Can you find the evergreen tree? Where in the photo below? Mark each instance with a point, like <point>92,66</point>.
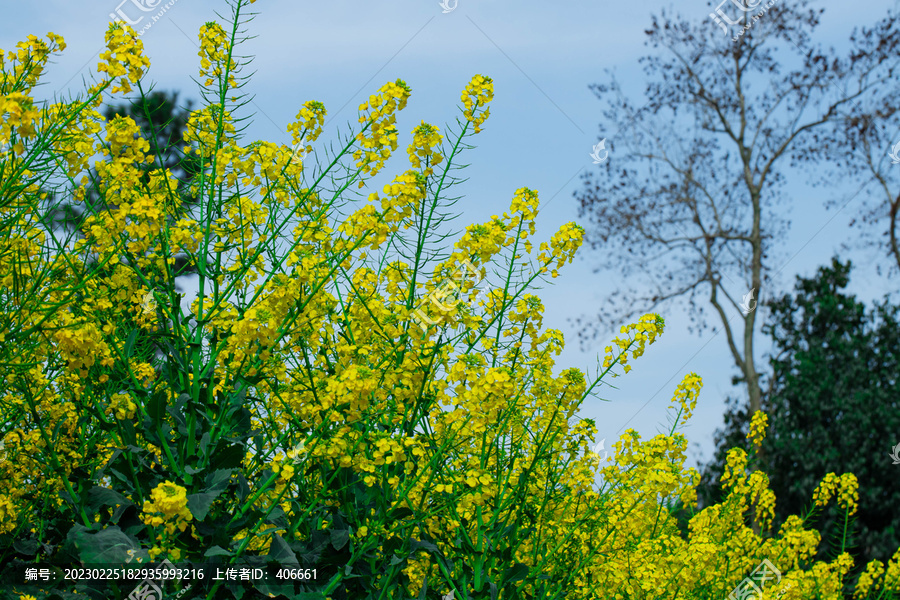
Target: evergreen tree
<point>833,405</point>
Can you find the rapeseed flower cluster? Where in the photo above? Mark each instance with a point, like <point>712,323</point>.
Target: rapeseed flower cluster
<point>758,428</point>
<point>169,503</point>
<point>845,488</point>
<point>19,112</point>
<point>167,509</point>
<point>381,125</point>
<point>122,406</point>
<point>648,329</point>
<point>215,55</point>
<point>20,72</point>
<point>26,65</point>
<point>307,128</point>
<point>686,396</point>
<point>124,57</point>
<point>203,128</point>
<point>423,150</point>
<point>476,96</point>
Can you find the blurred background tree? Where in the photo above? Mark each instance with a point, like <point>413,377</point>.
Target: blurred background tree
<point>833,405</point>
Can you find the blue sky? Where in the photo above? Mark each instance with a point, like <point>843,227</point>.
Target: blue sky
<point>544,121</point>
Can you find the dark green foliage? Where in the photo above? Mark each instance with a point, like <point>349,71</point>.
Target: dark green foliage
<point>833,407</point>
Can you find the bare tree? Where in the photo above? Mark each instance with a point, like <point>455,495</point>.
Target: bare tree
<point>866,142</point>
<point>693,191</point>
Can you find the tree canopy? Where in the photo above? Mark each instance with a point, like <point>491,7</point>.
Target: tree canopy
<point>833,408</point>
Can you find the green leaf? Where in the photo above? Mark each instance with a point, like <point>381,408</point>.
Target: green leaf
<point>203,447</point>
<point>514,573</point>
<point>97,547</point>
<point>339,538</point>
<point>26,546</point>
<point>178,411</point>
<point>401,512</point>
<point>243,487</point>
<point>237,398</point>
<point>217,551</point>
<point>241,421</point>
<point>278,518</point>
<point>280,552</point>
<point>416,545</point>
<point>200,503</point>
<point>129,343</point>
<point>129,435</point>
<point>218,480</point>
<point>228,456</point>
<point>156,406</point>
<point>101,496</point>
<point>119,475</point>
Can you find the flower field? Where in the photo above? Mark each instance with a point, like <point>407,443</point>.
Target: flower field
<point>352,401</point>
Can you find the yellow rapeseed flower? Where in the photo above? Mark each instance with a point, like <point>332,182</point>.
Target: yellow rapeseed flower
<point>757,432</point>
